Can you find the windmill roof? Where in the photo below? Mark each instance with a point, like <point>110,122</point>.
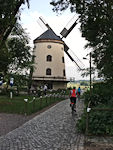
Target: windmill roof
<point>48,35</point>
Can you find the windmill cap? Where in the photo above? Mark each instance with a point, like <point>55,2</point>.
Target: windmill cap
<point>48,35</point>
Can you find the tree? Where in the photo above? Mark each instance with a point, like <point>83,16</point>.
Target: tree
<point>17,59</point>
<point>4,60</point>
<point>16,55</point>
<point>19,50</point>
<point>96,18</point>
<point>9,12</point>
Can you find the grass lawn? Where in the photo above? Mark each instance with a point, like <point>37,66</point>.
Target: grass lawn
<point>19,106</point>
<point>71,85</point>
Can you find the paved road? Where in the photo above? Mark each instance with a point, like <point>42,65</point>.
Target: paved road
<point>53,129</point>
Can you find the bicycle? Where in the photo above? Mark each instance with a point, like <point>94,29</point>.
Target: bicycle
<point>73,107</point>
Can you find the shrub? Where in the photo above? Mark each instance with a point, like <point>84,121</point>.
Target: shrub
<point>81,124</point>
<point>99,122</point>
<point>100,94</point>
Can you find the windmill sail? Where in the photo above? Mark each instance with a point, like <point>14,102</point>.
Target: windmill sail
<point>64,33</point>
<point>42,25</point>
<point>45,23</point>
<point>69,27</point>
<point>75,59</point>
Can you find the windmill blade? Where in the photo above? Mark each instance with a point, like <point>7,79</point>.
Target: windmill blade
<point>73,57</point>
<point>73,60</point>
<point>69,27</point>
<point>45,23</point>
<point>76,59</point>
<point>42,25</point>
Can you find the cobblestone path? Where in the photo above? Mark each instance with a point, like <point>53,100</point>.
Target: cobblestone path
<point>53,129</point>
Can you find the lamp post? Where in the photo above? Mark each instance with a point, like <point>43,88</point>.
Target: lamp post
<point>89,67</point>
<point>88,109</point>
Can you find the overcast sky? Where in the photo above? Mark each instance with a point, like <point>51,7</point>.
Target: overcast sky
<point>29,20</point>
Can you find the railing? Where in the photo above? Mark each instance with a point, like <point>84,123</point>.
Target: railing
<point>43,101</point>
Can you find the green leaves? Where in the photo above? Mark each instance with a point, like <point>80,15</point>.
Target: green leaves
<point>101,122</point>
<point>9,12</point>
<point>96,19</point>
<point>16,55</point>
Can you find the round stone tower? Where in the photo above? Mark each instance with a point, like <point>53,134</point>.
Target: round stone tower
<point>49,67</point>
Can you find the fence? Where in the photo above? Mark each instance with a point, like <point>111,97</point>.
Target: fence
<point>38,103</point>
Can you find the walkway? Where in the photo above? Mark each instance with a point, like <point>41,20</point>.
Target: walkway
<point>53,129</point>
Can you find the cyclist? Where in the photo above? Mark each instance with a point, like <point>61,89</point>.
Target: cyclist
<point>79,92</point>
<point>73,98</point>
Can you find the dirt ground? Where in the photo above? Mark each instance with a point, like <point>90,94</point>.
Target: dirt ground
<point>98,147</point>
<point>103,145</point>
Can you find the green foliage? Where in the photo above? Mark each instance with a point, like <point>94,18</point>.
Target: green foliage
<point>9,12</point>
<point>100,94</point>
<point>20,82</point>
<point>96,27</point>
<point>18,50</point>
<point>4,61</point>
<point>16,55</point>
<point>85,83</point>
<point>101,123</point>
<point>17,104</point>
<point>81,123</point>
<point>16,58</point>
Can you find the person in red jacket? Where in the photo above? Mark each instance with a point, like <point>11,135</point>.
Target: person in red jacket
<point>73,94</point>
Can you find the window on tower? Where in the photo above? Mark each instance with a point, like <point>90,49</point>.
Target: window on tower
<point>49,58</point>
<point>48,71</point>
<point>49,46</point>
<point>62,59</point>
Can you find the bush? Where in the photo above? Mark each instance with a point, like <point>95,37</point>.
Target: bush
<point>100,94</point>
<point>81,124</point>
<point>99,122</point>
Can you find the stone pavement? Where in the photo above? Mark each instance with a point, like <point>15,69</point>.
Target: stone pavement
<point>54,129</point>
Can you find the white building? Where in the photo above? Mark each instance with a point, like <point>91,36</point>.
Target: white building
<point>49,67</point>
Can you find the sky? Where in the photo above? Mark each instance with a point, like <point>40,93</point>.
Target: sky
<point>30,21</point>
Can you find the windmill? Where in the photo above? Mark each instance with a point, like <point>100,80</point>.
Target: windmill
<point>49,61</point>
<point>64,33</point>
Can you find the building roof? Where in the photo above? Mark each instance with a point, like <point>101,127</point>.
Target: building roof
<point>48,35</point>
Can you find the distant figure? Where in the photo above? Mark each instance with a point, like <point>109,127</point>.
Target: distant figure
<point>45,89</point>
<point>73,97</point>
<point>79,91</point>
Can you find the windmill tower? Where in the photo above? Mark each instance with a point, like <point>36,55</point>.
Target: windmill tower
<point>49,61</point>
<point>49,65</point>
